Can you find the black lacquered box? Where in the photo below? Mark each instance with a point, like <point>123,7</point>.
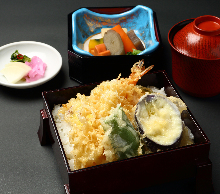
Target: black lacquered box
<point>130,174</point>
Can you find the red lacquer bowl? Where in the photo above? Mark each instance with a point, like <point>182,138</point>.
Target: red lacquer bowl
<point>195,47</point>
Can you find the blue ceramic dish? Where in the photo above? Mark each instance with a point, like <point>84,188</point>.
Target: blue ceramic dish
<point>86,23</point>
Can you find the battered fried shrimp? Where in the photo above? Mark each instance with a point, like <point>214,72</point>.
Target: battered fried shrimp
<point>137,71</point>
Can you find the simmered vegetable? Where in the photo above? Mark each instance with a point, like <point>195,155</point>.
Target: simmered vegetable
<point>128,44</point>
<point>113,42</point>
<point>118,41</point>
<point>136,41</point>
<point>100,50</point>
<point>93,43</point>
<point>104,30</point>
<point>134,52</point>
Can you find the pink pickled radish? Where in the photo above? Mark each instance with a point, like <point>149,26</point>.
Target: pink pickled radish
<point>37,71</point>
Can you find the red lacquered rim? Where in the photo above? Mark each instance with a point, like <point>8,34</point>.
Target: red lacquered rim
<point>174,30</point>
<point>210,22</point>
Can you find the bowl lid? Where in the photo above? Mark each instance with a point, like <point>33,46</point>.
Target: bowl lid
<point>200,38</point>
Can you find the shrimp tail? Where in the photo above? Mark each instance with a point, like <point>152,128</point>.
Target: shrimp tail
<point>146,70</point>
<point>137,71</point>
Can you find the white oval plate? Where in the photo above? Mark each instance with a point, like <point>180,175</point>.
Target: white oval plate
<point>47,53</point>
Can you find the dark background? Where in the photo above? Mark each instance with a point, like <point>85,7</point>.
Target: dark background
<point>25,166</point>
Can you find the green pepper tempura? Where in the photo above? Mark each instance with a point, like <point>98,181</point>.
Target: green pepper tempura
<point>124,138</point>
<point>17,57</point>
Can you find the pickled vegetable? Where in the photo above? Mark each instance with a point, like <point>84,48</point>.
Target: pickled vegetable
<point>18,57</point>
<point>15,71</point>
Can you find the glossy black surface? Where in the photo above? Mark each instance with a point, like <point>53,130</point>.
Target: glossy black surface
<point>122,172</point>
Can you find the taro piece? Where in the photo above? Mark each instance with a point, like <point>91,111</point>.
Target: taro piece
<point>113,42</point>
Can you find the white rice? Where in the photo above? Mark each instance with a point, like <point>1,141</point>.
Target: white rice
<point>64,129</point>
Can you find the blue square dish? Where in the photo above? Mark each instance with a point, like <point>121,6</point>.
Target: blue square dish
<point>86,22</point>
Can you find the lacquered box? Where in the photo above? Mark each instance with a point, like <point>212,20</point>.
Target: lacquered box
<point>84,68</point>
<point>130,174</point>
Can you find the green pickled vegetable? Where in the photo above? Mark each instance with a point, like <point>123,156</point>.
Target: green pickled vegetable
<point>124,138</point>
<point>17,57</point>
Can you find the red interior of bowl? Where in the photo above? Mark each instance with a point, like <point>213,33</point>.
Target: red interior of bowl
<point>207,25</point>
<point>200,38</point>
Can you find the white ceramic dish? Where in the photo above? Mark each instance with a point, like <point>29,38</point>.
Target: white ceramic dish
<point>47,53</point>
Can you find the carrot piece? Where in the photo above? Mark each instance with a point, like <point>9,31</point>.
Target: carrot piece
<point>128,44</point>
<point>100,47</point>
<point>100,50</point>
<point>105,53</point>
